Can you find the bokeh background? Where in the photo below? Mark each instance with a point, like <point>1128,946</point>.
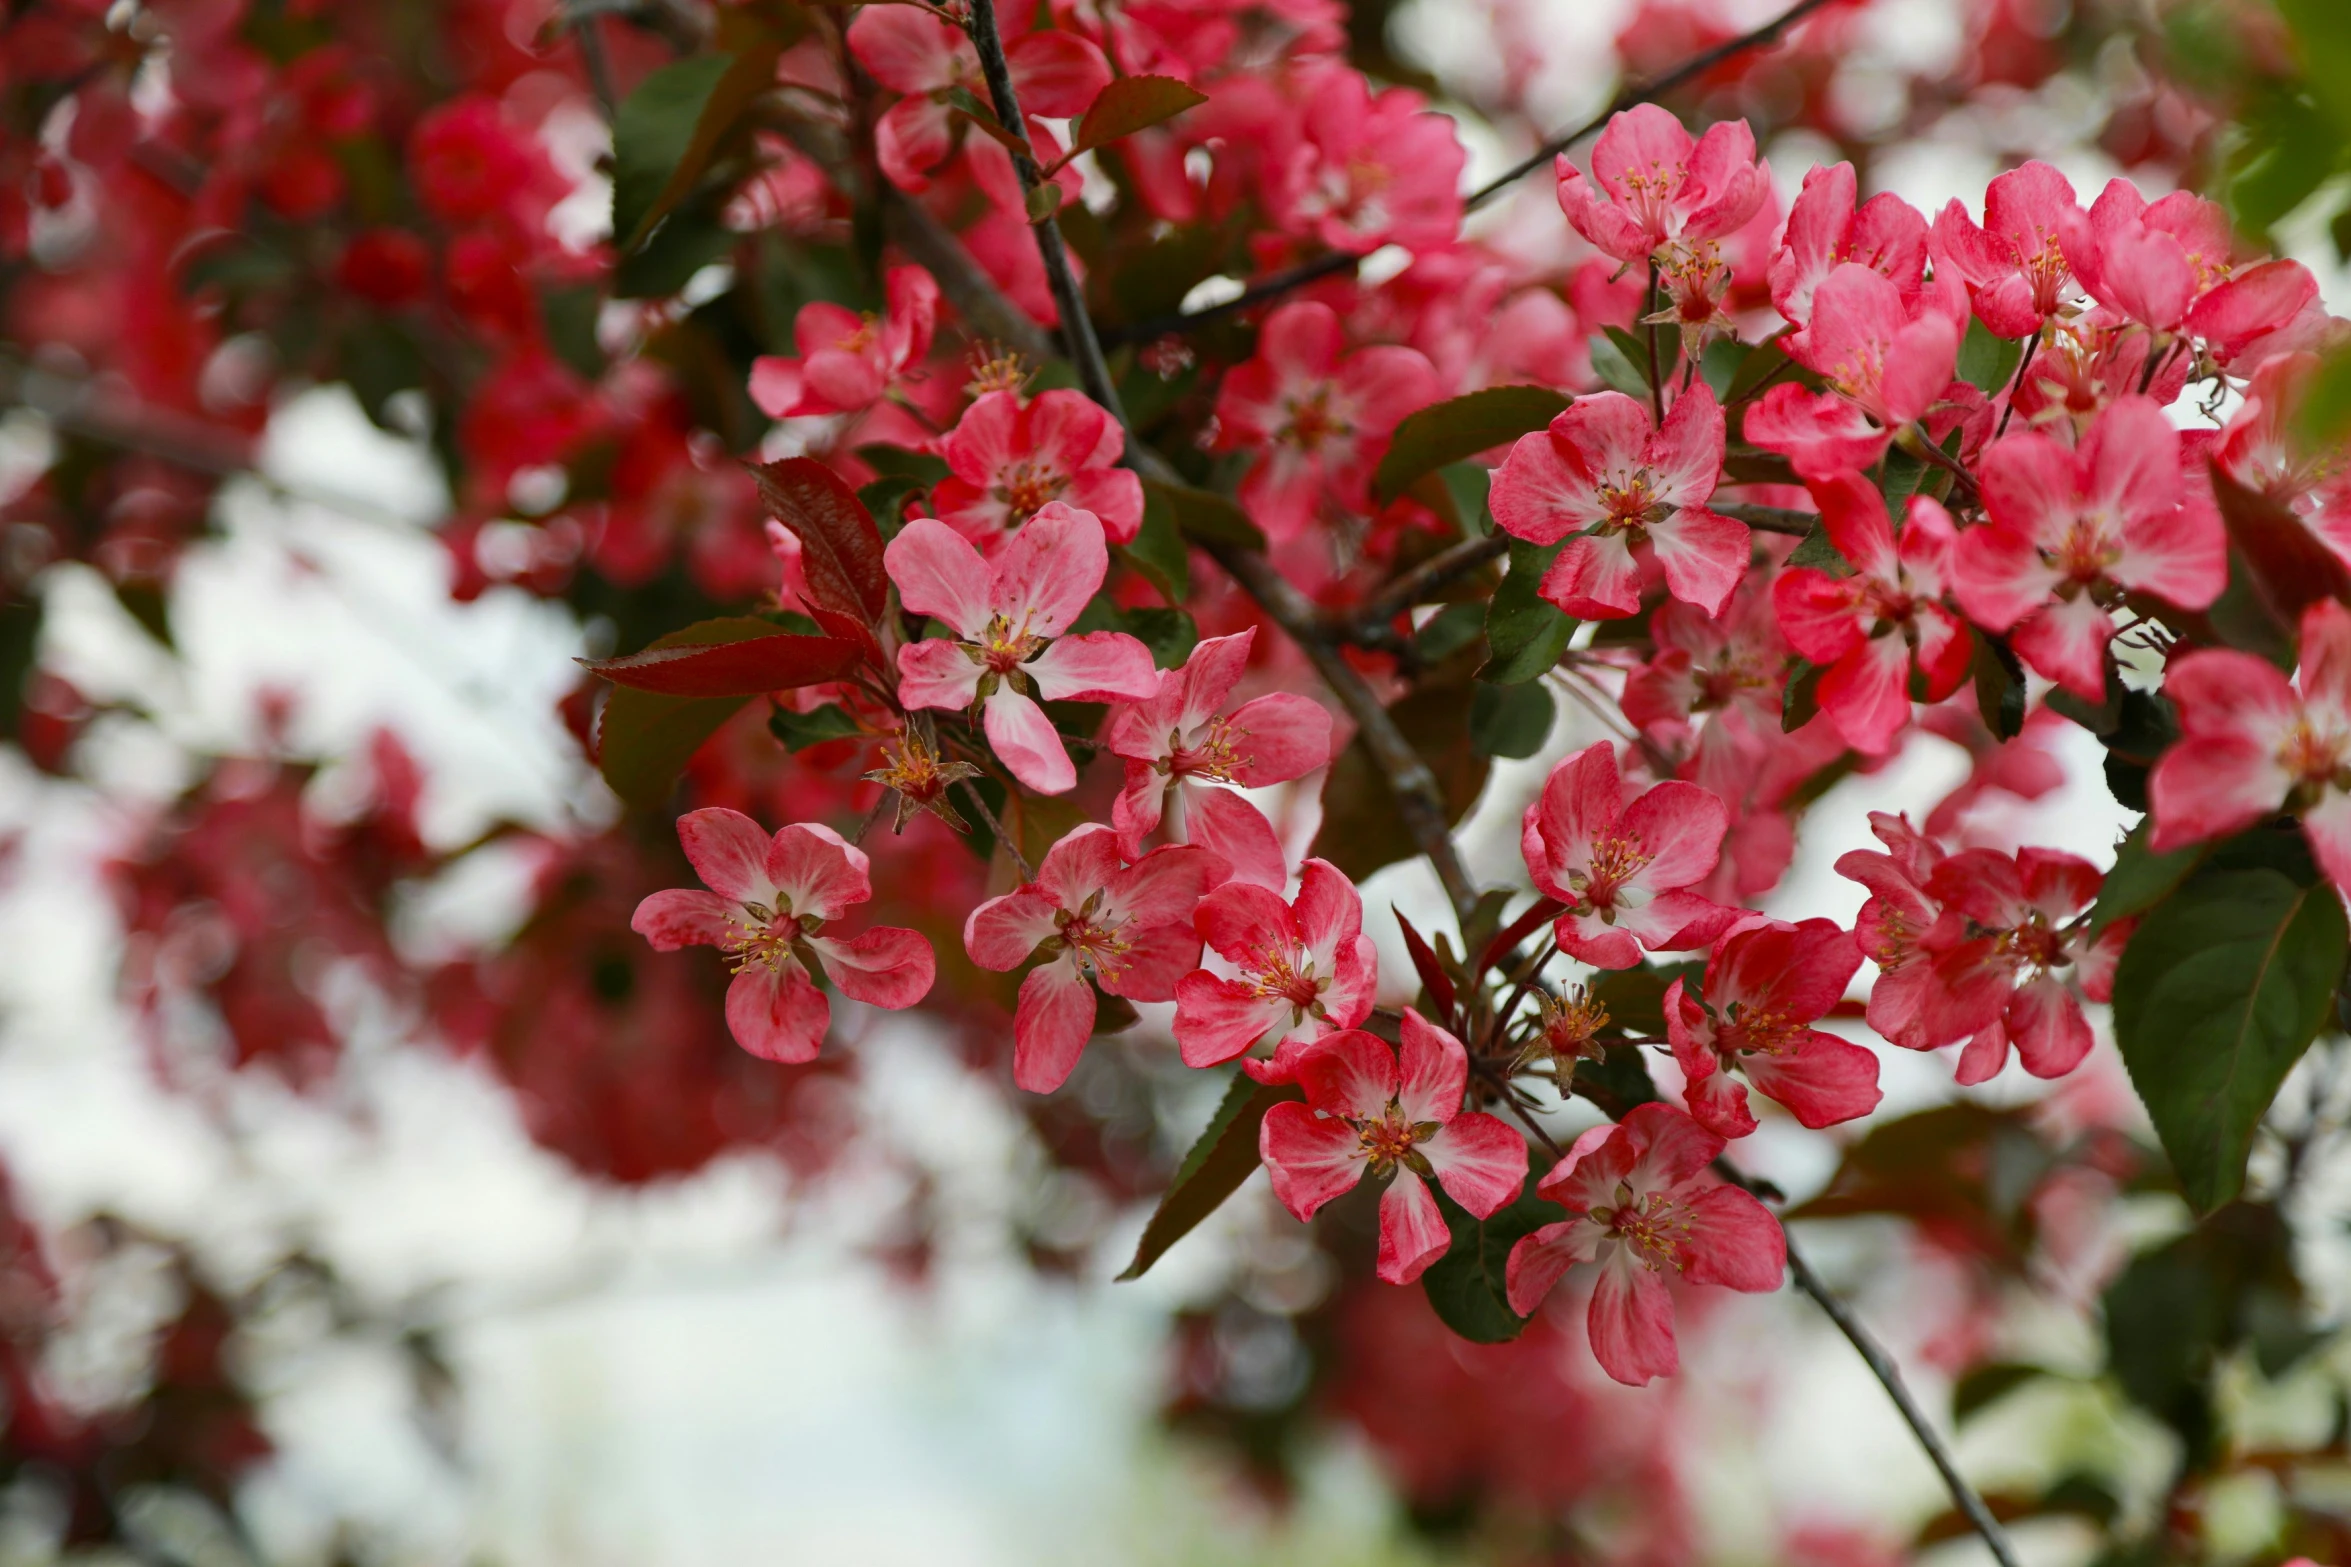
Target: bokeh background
<point>372,1196</point>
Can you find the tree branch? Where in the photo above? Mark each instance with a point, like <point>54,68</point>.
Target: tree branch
<point>1440,570</point>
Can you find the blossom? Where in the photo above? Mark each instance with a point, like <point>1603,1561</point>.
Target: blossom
<point>768,898</point>
<point>2014,265</point>
<point>928,59</point>
<point>1651,185</point>
<point>2167,266</point>
<point>1306,967</point>
<point>1886,363</point>
<point>1825,230</point>
<point>1622,868</point>
<point>1090,913</point>
<point>1872,627</point>
<point>2071,529</point>
<point>1008,616</point>
<point>1176,743</point>
<point>1732,662</point>
<point>1893,922</point>
<point>2004,934</point>
<point>1603,473</point>
<point>1370,1109</point>
<point>1367,169</point>
<point>1643,1201</point>
<point>2262,449</point>
<point>2251,744</point>
<point>848,361</point>
<point>1008,459</point>
<point>1319,419</point>
<point>1766,983</point>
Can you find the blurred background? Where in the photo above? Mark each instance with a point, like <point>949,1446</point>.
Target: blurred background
<point>373,1196</point>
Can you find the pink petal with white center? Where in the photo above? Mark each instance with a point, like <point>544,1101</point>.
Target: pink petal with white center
<point>1818,223</point>
<point>2254,303</point>
<point>1581,800</point>
<point>986,440</point>
<point>1853,514</point>
<point>2067,642</point>
<point>1157,959</point>
<point>1412,1232</point>
<point>1068,430</point>
<point>1587,1176</point>
<point>1680,827</point>
<point>1986,1054</point>
<point>2180,554</point>
<point>1238,833</point>
<point>1196,691</point>
<point>1589,939</point>
<point>1050,569</point>
<point>1056,74</point>
<point>1598,219</point>
<point>840,382</point>
<point>937,673</point>
<point>1051,1024</point>
<point>887,966</point>
<point>1685,455</point>
<point>1945,650</point>
<point>1594,578</point>
<point>1673,1149</point>
<point>1822,616</point>
<point>1247,923</point>
<point>1279,737</point>
<point>1730,186</point>
<point>2046,1025</point>
<point>729,853</point>
<point>1919,366</point>
<point>1434,1071</point>
<point>1002,932</point>
<point>1824,1080</point>
<point>2325,677</point>
<point>939,574</point>
<point>2130,460</point>
<point>2328,827</point>
<point>1310,1159</point>
<point>777,1014</point>
<point>1328,911</point>
<point>1733,1241</point>
<point>816,871</point>
<point>1480,1161</point>
<point>1136,813</point>
<point>1866,694</point>
<point>1099,666</point>
<point>1218,1019</point>
<point>910,51</point>
<point>1640,143</point>
<point>1999,577</point>
<point>1704,556</point>
<point>1821,433</point>
<point>684,917</point>
<point>1083,863</point>
<point>1352,1073</point>
<point>1165,886</point>
<point>1540,1260</point>
<point>1544,490</point>
<point>1631,1322</point>
<point>1717,1100</point>
<point>2032,486</point>
<point>1355,979</point>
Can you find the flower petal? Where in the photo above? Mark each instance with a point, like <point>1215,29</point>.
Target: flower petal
<point>729,853</point>
<point>887,966</point>
<point>1412,1231</point>
<point>1310,1159</point>
<point>1480,1161</point>
<point>777,1014</point>
<point>1051,1025</point>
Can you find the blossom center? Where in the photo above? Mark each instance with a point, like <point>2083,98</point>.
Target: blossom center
<point>1631,503</point>
<point>1750,1030</point>
<point>1571,1026</point>
<point>1003,648</point>
<point>2311,755</point>
<point>1656,1227</point>
<point>1388,1140</point>
<point>1615,861</point>
<point>1026,486</point>
<point>762,938</point>
<point>2086,551</point>
<point>1214,758</point>
<point>1098,941</point>
<point>1313,421</point>
<point>1649,196</point>
<point>1281,978</point>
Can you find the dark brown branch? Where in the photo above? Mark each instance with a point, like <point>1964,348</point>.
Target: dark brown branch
<point>1769,519</point>
<point>1413,587</point>
<point>1273,286</point>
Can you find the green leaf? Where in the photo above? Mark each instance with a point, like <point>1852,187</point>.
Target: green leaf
<point>1800,699</point>
<point>1448,432</point>
<point>1042,201</point>
<point>1219,1161</point>
<point>1619,1082</point>
<point>1206,516</point>
<point>2141,878</point>
<point>1617,372</point>
<point>1448,631</point>
<point>667,262</point>
<point>644,737</point>
<point>1817,551</point>
<point>1999,686</point>
<point>1159,551</point>
<point>1986,362</point>
<point>665,134</point>
<point>2221,989</point>
<point>799,731</point>
<point>1511,721</point>
<point>1633,349</point>
<point>1131,104</point>
<point>1525,632</point>
<point>1168,633</point>
<point>739,656</point>
<point>1467,1285</point>
<point>898,462</point>
<point>885,498</point>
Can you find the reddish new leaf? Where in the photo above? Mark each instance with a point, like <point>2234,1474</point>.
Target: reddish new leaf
<point>752,657</point>
<point>2291,568</point>
<point>1430,968</point>
<point>840,548</point>
<point>1131,104</point>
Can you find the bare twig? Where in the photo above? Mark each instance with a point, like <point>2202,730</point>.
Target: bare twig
<point>1440,570</point>
<point>979,803</point>
<point>1769,519</point>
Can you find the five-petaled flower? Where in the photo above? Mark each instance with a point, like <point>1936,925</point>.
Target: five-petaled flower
<point>768,898</point>
<point>1887,360</point>
<point>1008,616</point>
<point>1644,1202</point>
<point>1603,473</point>
<point>933,62</point>
<point>1090,913</point>
<point>848,361</point>
<point>2167,266</point>
<point>1178,747</point>
<point>1009,459</point>
<point>2014,264</point>
<point>1872,627</point>
<point>1306,967</point>
<point>1623,869</point>
<point>1366,1111</point>
<point>1826,230</point>
<point>1651,185</point>
<point>2251,744</point>
<point>1766,983</point>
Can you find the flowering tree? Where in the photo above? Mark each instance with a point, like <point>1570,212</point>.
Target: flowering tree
<point>988,557</point>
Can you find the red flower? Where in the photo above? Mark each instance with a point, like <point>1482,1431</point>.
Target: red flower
<point>2014,265</point>
<point>1368,169</point>
<point>2251,745</point>
<point>1644,1202</point>
<point>1306,967</point>
<point>1605,474</point>
<point>1366,1112</point>
<point>469,164</point>
<point>1893,923</point>
<point>1886,362</point>
<point>1011,458</point>
<point>2166,266</point>
<point>2262,449</point>
<point>1090,913</point>
<point>848,362</point>
<point>1826,231</point>
<point>1177,743</point>
<point>2067,523</point>
<point>1872,627</point>
<point>1320,419</point>
<point>768,898</point>
<point>2008,926</point>
<point>913,52</point>
<point>1008,616</point>
<point>1766,982</point>
<point>1622,868</point>
<point>1651,185</point>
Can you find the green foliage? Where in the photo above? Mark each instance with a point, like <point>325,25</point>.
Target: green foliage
<point>1221,1158</point>
<point>798,731</point>
<point>1511,721</point>
<point>1466,1286</point>
<point>1448,432</point>
<point>1525,633</point>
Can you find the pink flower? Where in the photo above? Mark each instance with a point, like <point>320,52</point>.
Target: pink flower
<point>2167,266</point>
<point>1009,459</point>
<point>848,362</point>
<point>768,898</point>
<point>1893,923</point>
<point>1368,169</point>
<point>1825,231</point>
<point>1090,913</point>
<point>1622,868</point>
<point>910,51</point>
<point>1176,742</point>
<point>1320,419</point>
<point>1604,473</point>
<point>1885,362</point>
<point>1731,663</point>
<point>1643,1201</point>
<point>2014,265</point>
<point>2251,745</point>
<point>2066,523</point>
<point>2262,450</point>
<point>1306,967</point>
<point>1872,627</point>
<point>1651,186</point>
<point>1765,984</point>
<point>1008,616</point>
<point>1365,1112</point>
<point>2006,930</point>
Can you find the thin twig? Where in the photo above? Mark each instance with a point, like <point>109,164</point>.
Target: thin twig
<point>591,42</point>
<point>1769,519</point>
<point>1440,570</point>
<point>1020,861</point>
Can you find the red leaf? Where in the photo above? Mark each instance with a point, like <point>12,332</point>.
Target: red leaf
<point>840,548</point>
<point>1430,967</point>
<point>762,659</point>
<point>1544,911</point>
